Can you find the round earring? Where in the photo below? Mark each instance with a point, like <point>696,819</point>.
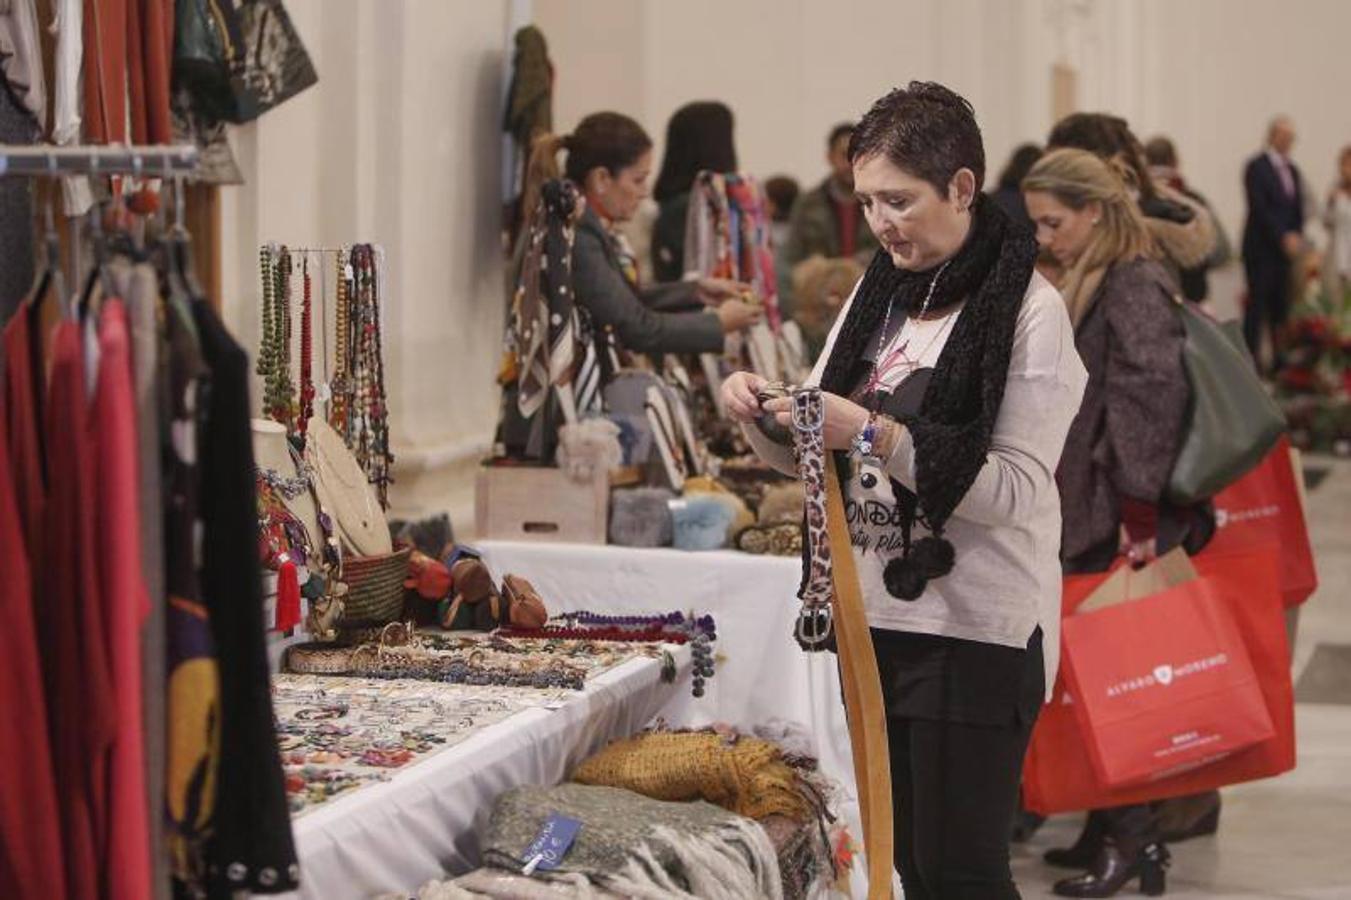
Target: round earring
<point>1095,221</point>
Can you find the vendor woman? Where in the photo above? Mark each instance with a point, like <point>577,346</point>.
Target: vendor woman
<point>609,157</point>
<point>958,359</point>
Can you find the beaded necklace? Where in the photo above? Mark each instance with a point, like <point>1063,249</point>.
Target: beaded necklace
<point>365,417</point>
<point>341,383</point>
<point>673,628</point>
<point>274,357</point>
<point>265,361</point>
<point>306,353</point>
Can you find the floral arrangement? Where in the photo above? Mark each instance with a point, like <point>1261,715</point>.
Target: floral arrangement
<point>1314,387</point>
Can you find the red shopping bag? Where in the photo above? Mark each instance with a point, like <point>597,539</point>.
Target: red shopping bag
<point>1264,507</point>
<point>1164,684</point>
<point>1058,774</point>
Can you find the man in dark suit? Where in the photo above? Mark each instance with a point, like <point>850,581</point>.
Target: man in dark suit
<point>1273,235</point>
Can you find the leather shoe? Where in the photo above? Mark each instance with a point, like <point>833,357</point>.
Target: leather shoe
<point>1115,869</point>
<point>1083,852</point>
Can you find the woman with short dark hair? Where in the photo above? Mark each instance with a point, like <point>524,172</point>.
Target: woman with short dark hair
<point>950,378</point>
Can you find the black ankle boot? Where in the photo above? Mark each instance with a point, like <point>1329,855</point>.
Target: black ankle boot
<point>1115,869</point>
<point>1184,818</point>
<point>1085,850</point>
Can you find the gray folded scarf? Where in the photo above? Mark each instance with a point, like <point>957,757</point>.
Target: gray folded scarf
<point>638,847</point>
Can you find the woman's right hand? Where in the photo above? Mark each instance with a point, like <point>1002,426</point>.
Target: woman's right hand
<point>737,315</point>
<point>739,398</point>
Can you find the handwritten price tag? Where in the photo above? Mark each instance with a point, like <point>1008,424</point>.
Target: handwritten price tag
<point>552,843</point>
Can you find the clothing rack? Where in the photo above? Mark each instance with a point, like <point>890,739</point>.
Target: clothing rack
<point>159,161</point>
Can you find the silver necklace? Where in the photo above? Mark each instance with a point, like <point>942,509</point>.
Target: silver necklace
<point>289,488</point>
<point>882,351</point>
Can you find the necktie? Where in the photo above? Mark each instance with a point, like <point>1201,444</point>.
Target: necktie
<point>1287,177</point>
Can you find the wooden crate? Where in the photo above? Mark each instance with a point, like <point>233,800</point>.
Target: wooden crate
<point>527,503</point>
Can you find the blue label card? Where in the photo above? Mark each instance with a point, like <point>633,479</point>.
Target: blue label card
<point>549,847</point>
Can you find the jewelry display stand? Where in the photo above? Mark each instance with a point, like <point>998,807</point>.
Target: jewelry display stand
<point>271,453</point>
<point>344,491</point>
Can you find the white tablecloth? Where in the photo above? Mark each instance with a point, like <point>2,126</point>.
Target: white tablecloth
<point>762,674</point>
<point>422,824</point>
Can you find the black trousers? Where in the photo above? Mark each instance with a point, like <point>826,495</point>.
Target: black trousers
<point>954,793</point>
<point>1268,299</point>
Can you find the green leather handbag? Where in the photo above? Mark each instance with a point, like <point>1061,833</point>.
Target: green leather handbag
<point>1232,422</point>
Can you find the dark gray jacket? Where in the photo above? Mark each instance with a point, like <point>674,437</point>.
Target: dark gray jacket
<point>1126,437</point>
<point>641,321</point>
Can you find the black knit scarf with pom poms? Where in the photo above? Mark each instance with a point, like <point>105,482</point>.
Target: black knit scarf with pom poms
<point>952,430</point>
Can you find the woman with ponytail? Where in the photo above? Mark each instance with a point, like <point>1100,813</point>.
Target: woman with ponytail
<point>949,381</point>
<point>609,158</point>
<point>1122,445</point>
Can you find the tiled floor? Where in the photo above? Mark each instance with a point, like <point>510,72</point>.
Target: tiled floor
<point>1287,837</point>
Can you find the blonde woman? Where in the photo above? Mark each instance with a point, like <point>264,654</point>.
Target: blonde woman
<point>1122,445</point>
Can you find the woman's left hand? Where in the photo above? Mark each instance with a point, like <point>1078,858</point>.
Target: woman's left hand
<point>713,291</point>
<point>1138,553</point>
<point>844,418</point>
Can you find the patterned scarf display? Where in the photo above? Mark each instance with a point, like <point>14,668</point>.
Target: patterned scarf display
<point>550,335</point>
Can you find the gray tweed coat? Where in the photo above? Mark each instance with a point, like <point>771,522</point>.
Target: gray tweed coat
<point>1126,437</point>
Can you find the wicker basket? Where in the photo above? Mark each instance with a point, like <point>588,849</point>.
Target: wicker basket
<point>318,659</point>
<point>374,588</point>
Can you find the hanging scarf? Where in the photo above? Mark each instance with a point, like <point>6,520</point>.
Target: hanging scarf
<point>953,428</point>
<point>755,259</point>
<point>545,325</point>
<point>708,243</point>
<point>530,99</point>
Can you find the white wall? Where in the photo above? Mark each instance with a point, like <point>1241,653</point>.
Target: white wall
<point>1210,73</point>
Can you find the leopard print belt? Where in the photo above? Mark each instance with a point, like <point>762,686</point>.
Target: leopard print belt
<point>814,630</point>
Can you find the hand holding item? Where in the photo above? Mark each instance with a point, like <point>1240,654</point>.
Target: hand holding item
<point>844,418</point>
<point>1139,553</point>
<point>737,315</point>
<point>716,291</point>
<point>739,395</point>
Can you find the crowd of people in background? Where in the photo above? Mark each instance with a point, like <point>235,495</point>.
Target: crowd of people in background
<point>818,232</point>
<point>822,241</point>
<point>1119,231</point>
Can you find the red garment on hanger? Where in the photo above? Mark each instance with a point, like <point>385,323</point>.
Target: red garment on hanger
<point>30,826</point>
<point>125,603</point>
<point>23,424</point>
<point>150,50</point>
<point>80,709</point>
<point>105,71</point>
<point>128,50</point>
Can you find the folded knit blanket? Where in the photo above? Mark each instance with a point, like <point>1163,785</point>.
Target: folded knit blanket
<point>638,847</point>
